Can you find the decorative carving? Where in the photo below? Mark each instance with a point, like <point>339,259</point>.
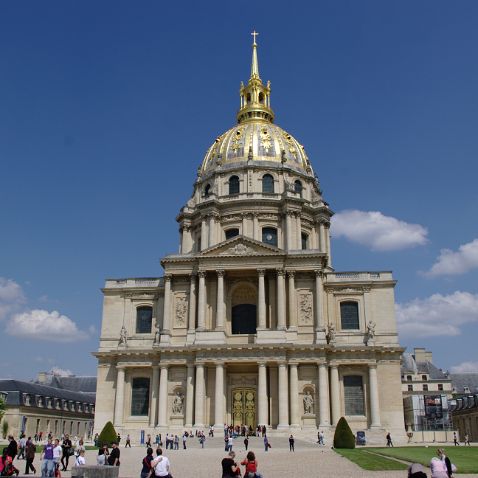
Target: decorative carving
<point>330,334</point>
<point>157,333</point>
<point>123,340</point>
<point>220,273</point>
<point>305,308</point>
<point>239,250</point>
<point>308,403</point>
<point>178,404</point>
<point>370,334</point>
<point>181,310</point>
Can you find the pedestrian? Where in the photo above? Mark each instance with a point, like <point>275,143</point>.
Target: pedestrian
<point>48,465</point>
<point>12,448</point>
<point>114,458</point>
<point>230,443</point>
<point>176,442</point>
<point>80,447</point>
<point>291,443</point>
<point>229,466</point>
<point>67,452</point>
<point>455,439</point>
<point>21,447</point>
<point>57,454</point>
<point>446,460</point>
<point>389,440</point>
<point>95,440</point>
<point>30,450</point>
<point>102,457</point>
<point>161,465</point>
<point>128,441</point>
<point>80,459</point>
<point>438,466</point>
<point>146,470</point>
<point>118,439</point>
<point>157,440</point>
<point>266,443</point>
<point>148,441</point>
<point>202,439</point>
<point>251,466</point>
<point>321,437</point>
<point>467,439</point>
<point>416,470</point>
<point>246,442</point>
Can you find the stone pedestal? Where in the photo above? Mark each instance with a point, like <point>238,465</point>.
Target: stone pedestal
<point>268,336</point>
<point>176,420</point>
<point>309,421</point>
<point>97,471</point>
<point>210,337</point>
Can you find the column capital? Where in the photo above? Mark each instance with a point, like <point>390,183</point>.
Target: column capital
<point>201,274</point>
<point>261,364</point>
<point>220,272</point>
<point>121,366</point>
<point>372,365</point>
<point>261,272</point>
<point>163,366</point>
<point>280,272</point>
<point>282,364</point>
<point>193,275</point>
<point>155,366</point>
<point>168,277</point>
<point>291,273</point>
<point>319,273</point>
<point>200,363</point>
<point>219,364</point>
<point>333,365</point>
<point>294,363</point>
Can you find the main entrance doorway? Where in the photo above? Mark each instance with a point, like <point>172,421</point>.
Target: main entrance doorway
<point>244,407</point>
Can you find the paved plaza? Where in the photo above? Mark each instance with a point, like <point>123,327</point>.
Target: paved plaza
<point>308,460</point>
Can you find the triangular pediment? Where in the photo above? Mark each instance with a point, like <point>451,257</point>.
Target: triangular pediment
<point>241,246</point>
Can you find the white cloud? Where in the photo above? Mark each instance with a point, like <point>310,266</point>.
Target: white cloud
<point>437,315</point>
<point>379,232</point>
<point>44,325</point>
<point>60,372</point>
<point>465,367</point>
<point>455,263</point>
<point>11,296</point>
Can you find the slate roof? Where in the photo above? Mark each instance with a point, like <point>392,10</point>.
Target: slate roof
<point>410,365</point>
<point>461,380</point>
<point>75,384</point>
<point>16,389</point>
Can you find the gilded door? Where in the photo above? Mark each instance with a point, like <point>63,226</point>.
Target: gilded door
<point>244,407</point>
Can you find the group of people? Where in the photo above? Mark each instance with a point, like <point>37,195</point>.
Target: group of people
<point>440,467</point>
<point>230,468</point>
<point>53,454</point>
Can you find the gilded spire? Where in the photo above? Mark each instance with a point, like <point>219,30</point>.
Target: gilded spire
<point>255,96</point>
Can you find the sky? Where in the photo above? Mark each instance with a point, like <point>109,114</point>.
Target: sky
<point>107,109</point>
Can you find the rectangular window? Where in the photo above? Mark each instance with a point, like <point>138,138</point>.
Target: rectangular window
<point>144,318</point>
<point>410,388</point>
<point>440,387</point>
<point>140,396</point>
<point>354,395</point>
<point>425,388</point>
<point>349,317</point>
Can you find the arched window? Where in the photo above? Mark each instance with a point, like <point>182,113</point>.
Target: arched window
<point>267,183</point>
<point>144,318</point>
<point>140,396</point>
<point>230,233</point>
<point>248,98</point>
<point>207,190</point>
<point>269,236</point>
<point>261,97</point>
<point>349,316</point>
<point>304,239</point>
<point>233,185</point>
<point>298,187</point>
<point>354,395</point>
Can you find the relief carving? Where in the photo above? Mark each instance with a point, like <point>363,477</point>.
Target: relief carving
<point>181,310</point>
<point>238,250</point>
<point>305,308</point>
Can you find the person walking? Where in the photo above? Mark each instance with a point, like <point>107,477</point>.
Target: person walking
<point>161,465</point>
<point>48,465</point>
<point>176,442</point>
<point>57,454</point>
<point>12,448</point>
<point>146,470</point>
<point>185,439</point>
<point>229,466</point>
<point>266,443</point>
<point>230,443</point>
<point>114,458</point>
<point>21,447</point>
<point>30,450</point>
<point>246,442</point>
<point>251,466</point>
<point>455,439</point>
<point>66,445</point>
<point>128,441</point>
<point>291,443</point>
<point>321,436</point>
<point>389,440</point>
<point>467,439</point>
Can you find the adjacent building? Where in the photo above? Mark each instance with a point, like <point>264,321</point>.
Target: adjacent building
<point>250,323</point>
<point>464,407</point>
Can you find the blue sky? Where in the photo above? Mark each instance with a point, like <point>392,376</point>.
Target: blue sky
<point>107,109</point>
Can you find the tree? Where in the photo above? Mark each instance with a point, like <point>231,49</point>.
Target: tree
<point>343,436</point>
<point>108,435</point>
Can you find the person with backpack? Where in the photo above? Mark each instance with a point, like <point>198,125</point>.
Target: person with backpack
<point>146,470</point>
<point>30,450</point>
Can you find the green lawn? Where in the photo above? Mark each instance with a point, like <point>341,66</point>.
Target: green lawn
<point>369,461</point>
<point>465,459</point>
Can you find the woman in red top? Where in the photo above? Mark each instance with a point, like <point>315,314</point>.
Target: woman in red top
<point>251,466</point>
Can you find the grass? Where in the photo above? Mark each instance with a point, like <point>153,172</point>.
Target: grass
<point>369,461</point>
<point>465,459</point>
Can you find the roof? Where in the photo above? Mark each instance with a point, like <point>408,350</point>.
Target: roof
<point>75,384</point>
<point>16,388</point>
<point>461,380</point>
<point>410,365</point>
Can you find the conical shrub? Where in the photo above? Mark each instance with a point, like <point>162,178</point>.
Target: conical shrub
<point>108,435</point>
<point>343,436</point>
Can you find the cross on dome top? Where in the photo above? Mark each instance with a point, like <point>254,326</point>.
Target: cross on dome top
<point>254,34</point>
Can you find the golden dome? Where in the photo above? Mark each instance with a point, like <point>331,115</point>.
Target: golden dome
<point>256,143</point>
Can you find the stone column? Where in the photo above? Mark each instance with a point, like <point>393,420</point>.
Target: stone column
<point>204,234</point>
<point>283,397</point>
<point>220,301</point>
<point>256,226</point>
<point>167,305</point>
<point>119,399</point>
<point>298,232</point>
<point>324,405</point>
<point>327,239</point>
<point>163,396</point>
<point>202,301</point>
<point>294,395</point>
<point>262,395</point>
<point>154,396</point>
<point>292,301</point>
<point>319,308</point>
<point>261,306</point>
<point>192,304</point>
<point>374,400</point>
<point>281,323</point>
<point>200,391</point>
<point>186,239</point>
<point>244,224</point>
<point>212,229</point>
<point>288,227</point>
<point>335,393</point>
<point>322,246</point>
<point>219,397</point>
<point>189,396</point>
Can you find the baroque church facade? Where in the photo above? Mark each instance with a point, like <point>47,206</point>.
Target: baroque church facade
<point>250,323</point>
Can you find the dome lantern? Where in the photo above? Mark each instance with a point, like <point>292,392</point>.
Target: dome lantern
<point>255,96</point>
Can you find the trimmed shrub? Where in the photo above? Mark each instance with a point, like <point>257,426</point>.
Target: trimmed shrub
<point>343,436</point>
<point>108,435</point>
<point>5,427</point>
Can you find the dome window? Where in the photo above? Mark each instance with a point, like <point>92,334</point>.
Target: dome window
<point>267,183</point>
<point>233,185</point>
<point>304,240</point>
<point>230,233</point>
<point>269,236</point>
<point>207,191</point>
<point>261,97</point>
<point>298,188</point>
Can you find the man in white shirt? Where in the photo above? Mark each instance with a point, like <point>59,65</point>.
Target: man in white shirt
<point>57,453</point>
<point>160,464</point>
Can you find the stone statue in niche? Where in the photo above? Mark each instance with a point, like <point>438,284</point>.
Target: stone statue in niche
<point>178,404</point>
<point>331,334</point>
<point>308,403</point>
<point>123,336</point>
<point>370,335</point>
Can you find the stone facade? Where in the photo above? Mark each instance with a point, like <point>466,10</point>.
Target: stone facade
<point>250,324</point>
